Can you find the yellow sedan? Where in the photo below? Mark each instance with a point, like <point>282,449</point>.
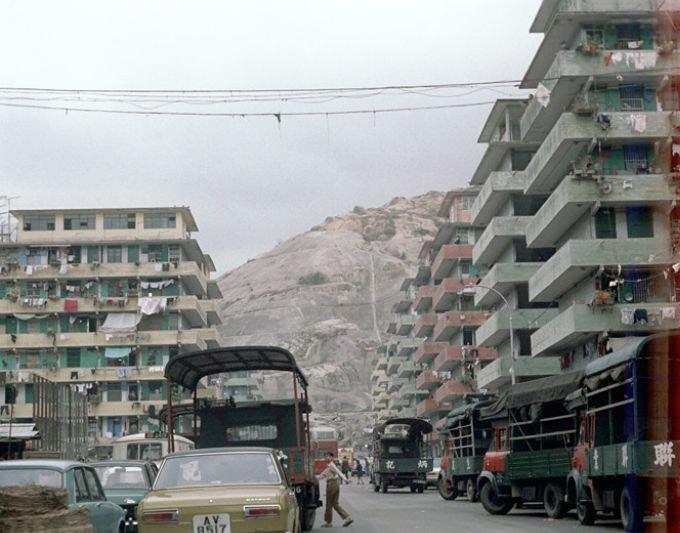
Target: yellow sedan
<point>220,490</point>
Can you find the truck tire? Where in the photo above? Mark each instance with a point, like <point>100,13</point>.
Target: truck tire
<point>492,503</point>
<point>585,510</point>
<point>446,491</point>
<point>376,485</point>
<point>553,501</point>
<point>471,490</point>
<point>383,486</point>
<point>413,488</point>
<point>308,516</point>
<point>420,489</point>
<point>631,511</point>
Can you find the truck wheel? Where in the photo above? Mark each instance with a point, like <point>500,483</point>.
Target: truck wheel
<point>446,491</point>
<point>383,486</point>
<point>492,502</point>
<point>471,490</point>
<point>420,488</point>
<point>413,488</point>
<point>585,510</point>
<point>308,516</point>
<point>553,501</point>
<point>376,485</point>
<point>631,511</point>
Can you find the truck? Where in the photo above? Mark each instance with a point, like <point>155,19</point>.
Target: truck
<point>282,424</point>
<point>530,454</point>
<point>401,458</point>
<point>467,440</point>
<point>626,460</point>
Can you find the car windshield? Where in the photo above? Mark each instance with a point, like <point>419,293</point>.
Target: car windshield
<point>121,477</point>
<point>30,476</point>
<point>218,469</point>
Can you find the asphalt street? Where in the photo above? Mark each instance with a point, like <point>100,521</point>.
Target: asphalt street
<point>399,511</point>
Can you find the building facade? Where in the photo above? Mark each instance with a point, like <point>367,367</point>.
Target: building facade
<point>101,299</point>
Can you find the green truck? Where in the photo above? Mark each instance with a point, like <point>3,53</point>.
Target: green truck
<point>529,457</point>
<point>626,461</point>
<point>467,439</point>
<point>401,458</point>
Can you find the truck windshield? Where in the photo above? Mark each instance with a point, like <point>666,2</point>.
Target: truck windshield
<point>30,476</point>
<point>218,469</point>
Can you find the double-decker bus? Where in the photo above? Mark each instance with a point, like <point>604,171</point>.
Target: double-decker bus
<point>324,439</point>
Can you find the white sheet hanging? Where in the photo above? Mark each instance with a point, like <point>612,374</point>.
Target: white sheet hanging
<point>152,305</point>
<point>120,323</point>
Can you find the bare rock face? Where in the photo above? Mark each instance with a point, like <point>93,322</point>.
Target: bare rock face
<point>326,295</point>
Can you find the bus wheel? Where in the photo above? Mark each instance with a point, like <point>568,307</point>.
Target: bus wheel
<point>471,490</point>
<point>383,486</point>
<point>446,491</point>
<point>631,511</point>
<point>585,510</point>
<point>492,502</point>
<point>553,501</point>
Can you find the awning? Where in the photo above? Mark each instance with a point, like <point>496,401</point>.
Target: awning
<point>464,411</point>
<point>188,369</point>
<point>120,323</point>
<point>116,352</point>
<point>19,432</point>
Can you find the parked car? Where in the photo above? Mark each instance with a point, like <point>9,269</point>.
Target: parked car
<point>220,489</point>
<point>433,475</point>
<point>126,483</point>
<point>80,481</point>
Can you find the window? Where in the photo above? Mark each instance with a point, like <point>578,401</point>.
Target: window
<point>632,98</point>
<point>605,224</point>
<point>82,494</point>
<point>79,222</point>
<point>465,267</point>
<point>155,253</point>
<point>114,392</point>
<point>93,255</point>
<point>594,36</point>
<point>461,236</point>
<point>114,254</point>
<point>73,358</point>
<point>119,221</point>
<point>174,253</point>
<point>466,202</point>
<point>159,220</point>
<point>640,222</point>
<point>133,254</point>
<point>38,222</point>
<point>635,157</point>
<point>96,492</point>
<point>469,336</point>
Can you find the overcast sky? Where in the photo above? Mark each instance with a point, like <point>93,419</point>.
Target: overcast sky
<point>251,181</point>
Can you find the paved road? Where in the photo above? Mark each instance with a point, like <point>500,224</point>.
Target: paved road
<point>399,511</point>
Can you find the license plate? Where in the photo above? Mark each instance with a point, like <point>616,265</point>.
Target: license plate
<point>212,523</point>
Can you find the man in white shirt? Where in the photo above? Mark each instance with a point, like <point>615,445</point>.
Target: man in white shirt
<point>332,474</point>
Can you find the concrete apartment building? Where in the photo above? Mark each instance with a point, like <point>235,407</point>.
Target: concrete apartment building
<point>101,299</point>
<point>576,193</point>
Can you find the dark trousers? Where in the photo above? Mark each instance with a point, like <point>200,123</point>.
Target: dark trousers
<point>333,501</point>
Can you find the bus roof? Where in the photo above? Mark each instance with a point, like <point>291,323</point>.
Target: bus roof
<point>188,369</point>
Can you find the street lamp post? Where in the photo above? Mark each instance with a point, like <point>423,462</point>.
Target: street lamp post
<point>473,290</point>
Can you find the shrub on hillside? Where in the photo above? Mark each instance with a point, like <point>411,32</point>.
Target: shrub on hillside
<point>315,278</point>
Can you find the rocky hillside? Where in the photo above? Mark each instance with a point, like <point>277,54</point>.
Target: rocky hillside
<point>326,295</point>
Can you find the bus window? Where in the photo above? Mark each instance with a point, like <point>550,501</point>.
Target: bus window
<point>133,451</point>
<point>150,451</point>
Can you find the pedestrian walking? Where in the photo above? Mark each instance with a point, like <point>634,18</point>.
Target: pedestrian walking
<point>359,472</point>
<point>333,475</point>
<point>345,467</point>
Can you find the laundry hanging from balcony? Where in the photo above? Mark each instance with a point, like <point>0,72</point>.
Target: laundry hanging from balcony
<point>120,323</point>
<point>111,352</point>
<point>152,305</point>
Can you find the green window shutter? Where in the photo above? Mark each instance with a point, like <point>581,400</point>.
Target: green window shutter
<point>23,326</point>
<point>647,36</point>
<point>640,222</point>
<point>613,100</point>
<point>164,253</point>
<point>171,290</point>
<point>3,290</point>
<point>73,358</point>
<point>76,252</point>
<point>605,224</point>
<point>133,254</point>
<point>614,162</point>
<point>64,325</point>
<point>82,326</point>
<point>43,325</point>
<point>649,99</point>
<point>93,254</point>
<point>28,388</point>
<point>104,289</point>
<point>10,324</point>
<point>145,390</point>
<point>22,358</point>
<point>610,38</point>
<point>89,359</point>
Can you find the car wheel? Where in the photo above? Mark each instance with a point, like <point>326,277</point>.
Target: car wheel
<point>471,490</point>
<point>492,502</point>
<point>631,511</point>
<point>308,517</point>
<point>446,491</point>
<point>553,501</point>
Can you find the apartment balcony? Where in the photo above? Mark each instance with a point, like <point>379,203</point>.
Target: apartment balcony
<point>580,322</point>
<point>429,407</point>
<point>382,363</point>
<point>407,346</point>
<point>403,304</point>
<point>400,403</point>
<point>209,307</point>
<point>86,375</point>
<point>574,197</point>
<point>428,351</point>
<point>451,390</point>
<point>404,324</point>
<point>382,380</point>
<point>393,365</point>
<point>499,233</point>
<point>425,325</point>
<point>423,274</point>
<point>408,390</point>
<point>423,300</point>
<point>502,277</point>
<point>579,259</point>
<point>449,323</point>
<point>381,402</point>
<point>496,330</point>
<point>188,340</point>
<point>393,343</point>
<point>572,135</point>
<point>193,277</point>
<point>498,373</point>
<point>395,384</point>
<point>448,292</point>
<point>447,257</point>
<point>392,326</point>
<point>428,381</point>
<point>570,71</point>
<point>452,356</point>
<point>495,192</point>
<point>406,369</point>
